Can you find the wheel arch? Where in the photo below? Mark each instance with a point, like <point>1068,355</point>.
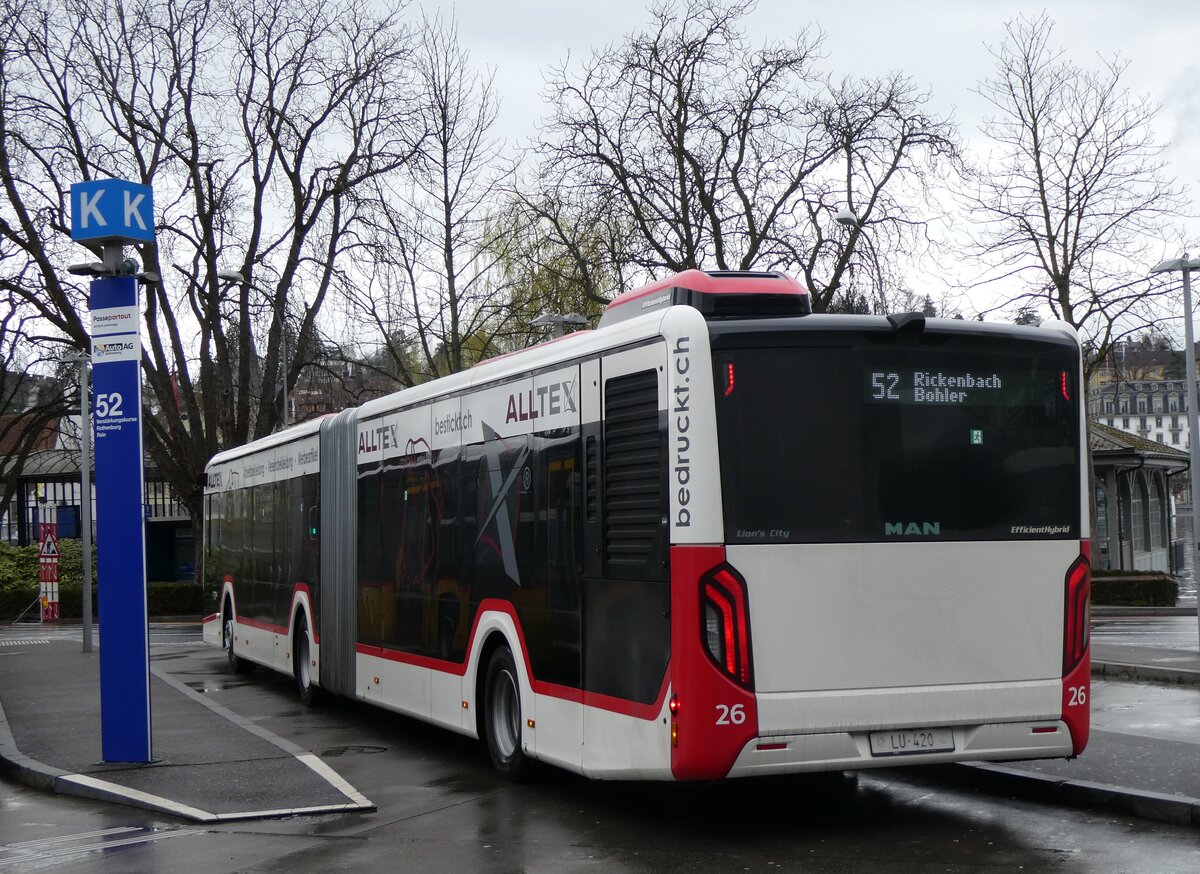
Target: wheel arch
<point>302,607</point>
<point>228,600</point>
<point>228,611</point>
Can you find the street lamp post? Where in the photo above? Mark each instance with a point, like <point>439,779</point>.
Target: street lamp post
<point>559,321</point>
<point>1184,266</point>
<point>85,493</point>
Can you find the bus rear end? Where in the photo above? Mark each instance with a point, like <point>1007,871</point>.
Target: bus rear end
<point>904,576</point>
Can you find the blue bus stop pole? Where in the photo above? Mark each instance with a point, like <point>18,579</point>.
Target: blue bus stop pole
<point>120,524</point>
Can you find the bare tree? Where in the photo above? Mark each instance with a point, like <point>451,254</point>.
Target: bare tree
<point>703,143</point>
<point>1074,194</point>
<point>262,126</point>
<point>719,155</point>
<point>892,156</point>
<point>565,251</point>
<point>554,258</point>
<point>433,294</point>
<point>32,397</point>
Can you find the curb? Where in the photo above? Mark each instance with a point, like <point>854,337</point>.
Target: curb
<point>1174,809</point>
<point>1145,673</point>
<point>1119,611</point>
<point>18,766</point>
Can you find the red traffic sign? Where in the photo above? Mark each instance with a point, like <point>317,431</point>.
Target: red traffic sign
<point>49,548</point>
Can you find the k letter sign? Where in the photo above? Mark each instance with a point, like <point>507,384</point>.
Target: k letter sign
<point>112,209</point>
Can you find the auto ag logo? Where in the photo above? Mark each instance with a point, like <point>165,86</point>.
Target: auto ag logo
<point>116,349</point>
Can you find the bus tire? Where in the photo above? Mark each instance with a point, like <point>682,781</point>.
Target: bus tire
<point>502,715</point>
<point>310,693</point>
<point>237,664</point>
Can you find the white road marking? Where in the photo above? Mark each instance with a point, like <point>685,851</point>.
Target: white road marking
<point>87,842</point>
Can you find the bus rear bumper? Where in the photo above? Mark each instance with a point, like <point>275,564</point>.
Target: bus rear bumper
<point>844,751</point>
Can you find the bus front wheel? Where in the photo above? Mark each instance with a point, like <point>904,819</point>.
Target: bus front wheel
<point>502,715</point>
<point>237,664</point>
<point>310,693</point>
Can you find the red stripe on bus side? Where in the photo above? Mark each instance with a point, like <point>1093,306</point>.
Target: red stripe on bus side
<point>297,588</point>
<point>540,687</point>
<point>263,626</point>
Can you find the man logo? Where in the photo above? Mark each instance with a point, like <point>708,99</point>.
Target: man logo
<point>912,529</point>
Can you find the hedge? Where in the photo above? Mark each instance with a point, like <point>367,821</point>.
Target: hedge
<point>164,599</point>
<point>1135,590</point>
<point>19,565</point>
<point>19,585</point>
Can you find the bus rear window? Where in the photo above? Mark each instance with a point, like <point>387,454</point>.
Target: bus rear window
<point>829,438</point>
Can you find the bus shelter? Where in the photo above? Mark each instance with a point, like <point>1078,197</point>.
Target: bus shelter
<point>1135,483</point>
<point>51,477</point>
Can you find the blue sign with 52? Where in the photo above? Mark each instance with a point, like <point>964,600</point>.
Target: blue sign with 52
<point>120,526</point>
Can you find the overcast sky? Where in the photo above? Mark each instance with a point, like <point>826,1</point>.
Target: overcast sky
<point>941,45</point>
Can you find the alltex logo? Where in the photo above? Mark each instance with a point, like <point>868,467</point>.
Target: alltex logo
<point>545,400</point>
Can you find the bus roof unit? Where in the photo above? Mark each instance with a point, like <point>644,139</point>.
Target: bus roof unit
<point>717,294</point>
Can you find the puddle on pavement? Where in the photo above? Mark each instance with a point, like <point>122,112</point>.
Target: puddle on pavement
<point>472,784</point>
<point>360,749</point>
<point>209,687</point>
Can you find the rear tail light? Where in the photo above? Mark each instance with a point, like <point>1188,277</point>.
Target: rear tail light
<point>674,707</point>
<point>726,623</point>
<point>1077,612</point>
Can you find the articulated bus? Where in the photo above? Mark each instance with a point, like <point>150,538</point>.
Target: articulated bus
<point>717,536</point>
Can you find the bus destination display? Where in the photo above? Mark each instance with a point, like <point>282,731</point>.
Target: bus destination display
<point>921,387</point>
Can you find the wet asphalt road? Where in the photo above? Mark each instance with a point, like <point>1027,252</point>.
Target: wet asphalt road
<point>1167,632</point>
<point>442,809</point>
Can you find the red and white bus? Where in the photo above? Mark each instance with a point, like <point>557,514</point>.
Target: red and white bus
<point>717,536</point>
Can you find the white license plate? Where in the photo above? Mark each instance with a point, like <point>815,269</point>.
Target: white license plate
<point>912,741</point>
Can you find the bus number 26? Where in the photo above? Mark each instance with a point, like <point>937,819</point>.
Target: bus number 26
<point>734,714</point>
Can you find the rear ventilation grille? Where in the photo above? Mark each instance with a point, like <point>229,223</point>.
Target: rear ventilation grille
<point>743,274</point>
<point>633,500</point>
<point>591,468</point>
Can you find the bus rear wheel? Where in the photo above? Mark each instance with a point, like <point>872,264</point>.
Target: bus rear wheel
<point>310,693</point>
<point>502,715</point>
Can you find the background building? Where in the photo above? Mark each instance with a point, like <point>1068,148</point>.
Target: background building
<point>1142,391</point>
<point>50,476</point>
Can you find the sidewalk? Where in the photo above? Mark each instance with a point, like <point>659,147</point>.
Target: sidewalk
<point>210,764</point>
<point>1145,735</point>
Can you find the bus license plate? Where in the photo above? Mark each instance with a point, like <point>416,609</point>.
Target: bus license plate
<point>912,741</point>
